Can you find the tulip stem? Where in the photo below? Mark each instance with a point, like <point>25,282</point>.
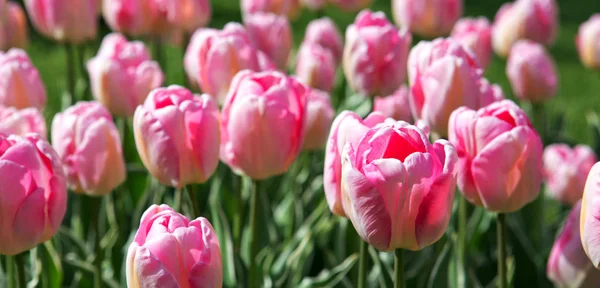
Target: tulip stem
<point>253,273</point>
<point>20,265</point>
<point>158,54</point>
<point>399,268</point>
<point>97,202</point>
<point>192,194</point>
<point>184,44</point>
<point>83,70</point>
<point>462,230</point>
<point>501,238</point>
<point>70,72</point>
<point>177,200</point>
<point>362,264</point>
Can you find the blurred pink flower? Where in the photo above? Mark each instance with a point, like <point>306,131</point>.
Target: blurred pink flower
<point>169,250</point>
<point>475,34</point>
<point>531,72</point>
<point>319,115</point>
<point>288,8</point>
<point>20,82</point>
<point>15,26</point>
<point>271,34</point>
<point>428,18</point>
<point>72,22</point>
<point>588,42</point>
<point>315,66</point>
<point>395,106</point>
<point>566,170</point>
<point>22,122</point>
<point>590,222</point>
<point>325,33</point>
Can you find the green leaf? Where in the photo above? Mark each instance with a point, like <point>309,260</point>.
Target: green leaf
<point>330,278</point>
<point>52,267</point>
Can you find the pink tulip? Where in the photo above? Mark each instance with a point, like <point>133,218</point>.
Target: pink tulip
<point>22,122</point>
<point>428,18</point>
<point>272,35</point>
<point>169,250</point>
<point>20,82</point>
<point>590,222</point>
<point>319,115</point>
<point>531,72</point>
<point>490,93</point>
<point>395,106</point>
<point>177,136</point>
<point>375,54</point>
<point>475,34</point>
<point>347,127</point>
<point>15,26</point>
<point>122,74</point>
<point>214,57</point>
<point>397,188</point>
<point>566,170</point>
<point>72,22</point>
<point>443,76</point>
<point>500,156</point>
<point>568,266</point>
<point>315,66</point>
<point>194,14</point>
<point>89,145</point>
<point>288,8</point>
<point>132,17</point>
<point>588,42</point>
<point>314,4</point>
<point>324,32</point>
<point>351,5</point>
<point>263,123</point>
<point>33,200</point>
<point>536,20</point>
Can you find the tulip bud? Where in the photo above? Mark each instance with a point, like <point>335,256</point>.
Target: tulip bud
<point>531,72</point>
<point>169,250</point>
<point>443,76</point>
<point>33,199</point>
<point>177,136</point>
<point>325,33</point>
<point>395,106</point>
<point>351,5</point>
<point>536,20</point>
<point>22,122</point>
<point>566,170</point>
<point>271,34</point>
<point>500,156</point>
<point>89,145</point>
<point>590,222</point>
<point>347,127</point>
<point>214,57</point>
<point>20,82</point>
<point>122,74</point>
<point>490,93</point>
<point>75,22</point>
<point>263,123</point>
<point>288,8</point>
<point>588,42</point>
<point>193,14</point>
<point>375,54</point>
<point>397,188</point>
<point>319,115</point>
<point>568,266</point>
<point>315,66</point>
<point>475,34</point>
<point>16,26</point>
<point>428,18</point>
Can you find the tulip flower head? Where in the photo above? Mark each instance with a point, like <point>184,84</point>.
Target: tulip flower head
<point>428,18</point>
<point>20,82</point>
<point>75,22</point>
<point>395,106</point>
<point>15,26</point>
<point>315,66</point>
<point>325,33</point>
<point>169,250</point>
<point>531,72</point>
<point>566,170</point>
<point>272,35</point>
<point>588,42</point>
<point>22,122</point>
<point>475,34</point>
<point>397,187</point>
<point>319,115</point>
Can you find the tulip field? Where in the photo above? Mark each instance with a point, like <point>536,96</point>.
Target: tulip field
<point>299,143</point>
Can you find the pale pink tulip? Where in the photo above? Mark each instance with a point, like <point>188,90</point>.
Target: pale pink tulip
<point>500,156</point>
<point>375,54</point>
<point>490,93</point>
<point>324,32</point>
<point>33,199</point>
<point>531,72</point>
<point>475,34</point>
<point>443,76</point>
<point>319,115</point>
<point>20,82</point>
<point>15,26</point>
<point>397,188</point>
<point>214,57</point>
<point>395,106</point>
<point>194,14</point>
<point>315,66</point>
<point>347,127</point>
<point>263,123</point>
<point>169,250</point>
<point>122,74</point>
<point>288,8</point>
<point>271,34</point>
<point>314,4</point>
<point>131,17</point>
<point>588,42</point>
<point>351,5</point>
<point>88,143</point>
<point>177,136</point>
<point>568,266</point>
<point>22,122</point>
<point>590,222</point>
<point>428,18</point>
<point>536,20</point>
<point>566,170</point>
<point>72,22</point>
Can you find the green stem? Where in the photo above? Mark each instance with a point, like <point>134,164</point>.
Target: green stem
<point>237,220</point>
<point>399,269</point>
<point>177,200</point>
<point>253,280</point>
<point>70,72</point>
<point>501,234</point>
<point>362,265</point>
<point>11,278</point>
<point>158,54</point>
<point>83,70</point>
<point>192,194</point>
<point>372,101</point>
<point>97,202</point>
<point>462,231</point>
